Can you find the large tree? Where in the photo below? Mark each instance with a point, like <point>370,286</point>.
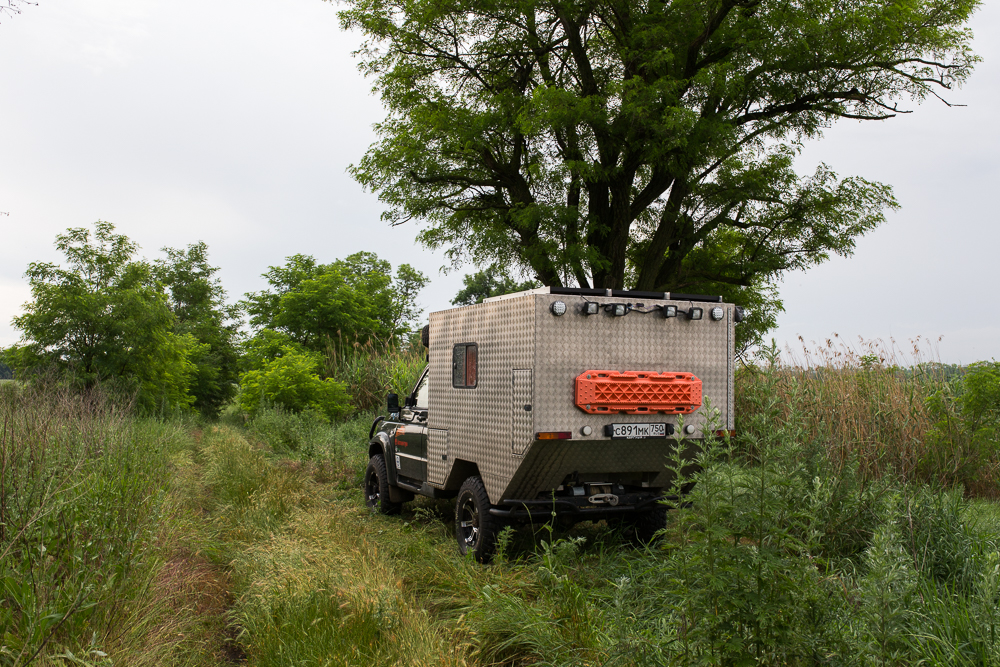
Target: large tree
<point>641,143</point>
<point>104,318</point>
<point>198,302</point>
<point>355,298</point>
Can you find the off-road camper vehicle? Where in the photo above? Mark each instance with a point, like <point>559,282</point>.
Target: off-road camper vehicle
<point>556,399</point>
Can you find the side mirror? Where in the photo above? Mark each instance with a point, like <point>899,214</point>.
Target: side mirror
<point>392,403</point>
<point>738,314</point>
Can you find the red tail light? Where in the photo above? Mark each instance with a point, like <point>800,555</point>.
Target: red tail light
<point>554,435</point>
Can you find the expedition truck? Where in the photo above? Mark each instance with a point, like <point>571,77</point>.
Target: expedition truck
<point>556,399</point>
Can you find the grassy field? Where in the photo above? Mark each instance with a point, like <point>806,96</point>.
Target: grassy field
<point>810,540</point>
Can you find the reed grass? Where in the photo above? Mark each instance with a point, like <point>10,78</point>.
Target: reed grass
<point>875,404</point>
<point>373,368</point>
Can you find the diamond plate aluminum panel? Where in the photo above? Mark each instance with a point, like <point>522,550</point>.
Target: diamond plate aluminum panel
<point>479,419</point>
<point>521,431</point>
<point>520,333</point>
<point>569,345</point>
<point>437,455</point>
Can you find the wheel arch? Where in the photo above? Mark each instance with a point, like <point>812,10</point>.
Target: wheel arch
<point>461,470</point>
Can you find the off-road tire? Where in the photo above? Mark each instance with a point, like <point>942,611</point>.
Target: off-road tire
<point>641,528</point>
<point>475,528</point>
<point>376,487</point>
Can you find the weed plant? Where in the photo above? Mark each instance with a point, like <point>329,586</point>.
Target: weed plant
<point>82,509</point>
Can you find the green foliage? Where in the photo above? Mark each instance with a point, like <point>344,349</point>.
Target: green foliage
<point>286,432</point>
<point>648,145</point>
<point>489,282</point>
<point>81,501</point>
<point>373,370</point>
<point>356,297</point>
<point>292,381</point>
<point>198,302</point>
<point>965,439</point>
<point>104,318</point>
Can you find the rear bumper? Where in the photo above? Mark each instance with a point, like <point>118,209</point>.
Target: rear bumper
<point>579,508</point>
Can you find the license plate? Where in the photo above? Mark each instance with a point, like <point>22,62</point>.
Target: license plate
<point>630,431</point>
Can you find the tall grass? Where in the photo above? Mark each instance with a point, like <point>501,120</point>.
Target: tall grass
<point>316,583</point>
<point>81,518</point>
<point>877,406</point>
<point>373,369</point>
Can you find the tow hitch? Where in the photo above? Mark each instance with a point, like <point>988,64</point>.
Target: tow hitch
<point>603,499</point>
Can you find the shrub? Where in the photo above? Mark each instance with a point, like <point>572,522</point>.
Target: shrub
<point>964,441</point>
<point>292,381</point>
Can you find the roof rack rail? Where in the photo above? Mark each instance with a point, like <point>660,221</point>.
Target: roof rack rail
<point>634,294</point>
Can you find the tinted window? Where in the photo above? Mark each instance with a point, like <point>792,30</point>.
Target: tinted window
<point>464,365</point>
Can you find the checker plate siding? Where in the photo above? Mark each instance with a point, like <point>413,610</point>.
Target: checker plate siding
<point>479,420</point>
<point>521,333</point>
<point>569,345</point>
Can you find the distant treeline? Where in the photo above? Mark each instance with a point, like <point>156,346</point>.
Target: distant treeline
<point>5,372</point>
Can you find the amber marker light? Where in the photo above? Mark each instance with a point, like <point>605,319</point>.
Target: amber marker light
<point>554,435</point>
<point>723,434</point>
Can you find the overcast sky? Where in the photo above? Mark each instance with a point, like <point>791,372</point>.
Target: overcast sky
<point>233,122</point>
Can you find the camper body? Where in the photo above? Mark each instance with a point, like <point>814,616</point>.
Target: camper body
<point>566,400</point>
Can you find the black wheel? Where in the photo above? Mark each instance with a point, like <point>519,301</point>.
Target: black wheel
<point>475,528</point>
<point>376,487</point>
<point>641,527</point>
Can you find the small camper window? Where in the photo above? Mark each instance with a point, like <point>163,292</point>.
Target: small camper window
<point>464,365</point>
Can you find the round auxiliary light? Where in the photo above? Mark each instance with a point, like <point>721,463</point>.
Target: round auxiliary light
<point>689,429</point>
<point>717,313</point>
<point>558,308</point>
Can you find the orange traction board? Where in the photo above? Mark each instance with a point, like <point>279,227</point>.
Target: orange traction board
<point>637,392</point>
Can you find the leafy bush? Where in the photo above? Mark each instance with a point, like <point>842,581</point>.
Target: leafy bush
<point>303,433</point>
<point>964,442</point>
<point>292,381</point>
